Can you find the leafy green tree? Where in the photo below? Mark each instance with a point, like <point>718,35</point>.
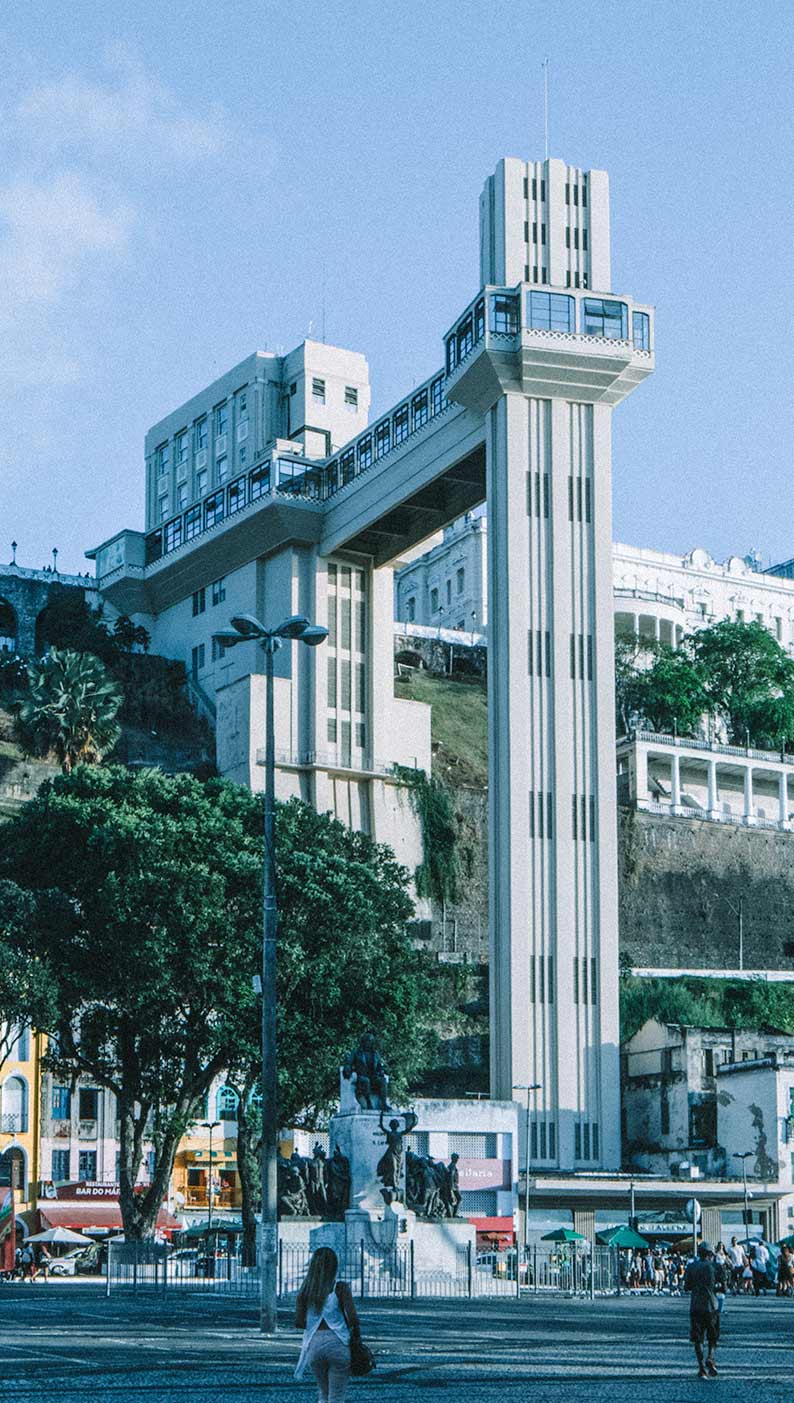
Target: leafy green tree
<point>69,622</point>
<point>27,988</point>
<point>669,695</point>
<point>345,965</point>
<point>748,680</point>
<point>69,709</point>
<point>158,935</point>
<point>705,1002</point>
<point>628,650</point>
<point>153,948</point>
<point>128,636</point>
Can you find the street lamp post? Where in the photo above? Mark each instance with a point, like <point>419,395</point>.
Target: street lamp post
<point>209,1125</point>
<point>744,1156</point>
<point>527,1087</point>
<point>248,629</point>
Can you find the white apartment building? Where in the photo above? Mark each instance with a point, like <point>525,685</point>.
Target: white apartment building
<point>657,596</point>
<point>258,436</point>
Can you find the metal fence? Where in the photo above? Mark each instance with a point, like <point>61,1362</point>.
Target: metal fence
<point>394,1274</point>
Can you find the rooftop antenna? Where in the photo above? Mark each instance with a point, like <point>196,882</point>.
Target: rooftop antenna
<point>545,67</point>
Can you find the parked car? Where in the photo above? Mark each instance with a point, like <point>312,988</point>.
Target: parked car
<point>80,1261</point>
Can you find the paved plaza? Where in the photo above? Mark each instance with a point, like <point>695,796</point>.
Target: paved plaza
<point>66,1342</point>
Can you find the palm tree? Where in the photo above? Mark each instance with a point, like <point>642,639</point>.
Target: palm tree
<point>69,709</point>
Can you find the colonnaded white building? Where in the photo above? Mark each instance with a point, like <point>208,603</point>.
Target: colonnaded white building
<point>310,519</point>
<point>657,595</point>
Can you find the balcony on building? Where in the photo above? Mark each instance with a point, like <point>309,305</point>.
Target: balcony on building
<point>569,343</point>
<point>649,616</point>
<point>701,779</point>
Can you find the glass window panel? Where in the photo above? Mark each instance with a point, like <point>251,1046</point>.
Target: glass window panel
<point>259,482</point>
<point>436,396</point>
<point>465,335</point>
<point>236,495</point>
<point>365,451</point>
<point>605,318</point>
<point>400,424</point>
<point>345,684</point>
<point>345,622</point>
<point>420,412</point>
<point>382,438</point>
<point>173,534</point>
<point>504,314</point>
<point>550,311</point>
<point>641,331</point>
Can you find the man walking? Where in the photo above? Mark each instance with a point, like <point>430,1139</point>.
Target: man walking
<point>738,1261</point>
<point>703,1277</point>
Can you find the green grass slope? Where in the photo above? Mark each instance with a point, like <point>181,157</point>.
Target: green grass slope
<point>459,725</point>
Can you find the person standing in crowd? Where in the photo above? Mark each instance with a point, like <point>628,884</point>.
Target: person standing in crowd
<point>738,1261</point>
<point>27,1262</point>
<point>326,1313</point>
<point>759,1263</point>
<point>785,1272</point>
<point>703,1279</point>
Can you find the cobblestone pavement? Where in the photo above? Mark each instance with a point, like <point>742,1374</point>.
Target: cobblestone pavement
<point>65,1342</point>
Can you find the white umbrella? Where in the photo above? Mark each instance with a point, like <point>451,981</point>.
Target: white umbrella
<point>60,1235</point>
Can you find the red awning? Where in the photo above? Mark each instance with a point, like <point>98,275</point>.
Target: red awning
<point>103,1214</point>
<point>500,1225</point>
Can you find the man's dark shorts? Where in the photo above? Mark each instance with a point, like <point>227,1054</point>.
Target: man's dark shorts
<point>704,1325</point>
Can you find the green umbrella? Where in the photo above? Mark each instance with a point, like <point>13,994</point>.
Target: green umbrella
<point>787,1241</point>
<point>563,1235</point>
<point>621,1236</point>
<point>219,1225</point>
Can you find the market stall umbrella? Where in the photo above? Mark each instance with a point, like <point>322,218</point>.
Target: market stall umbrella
<point>218,1225</point>
<point>61,1235</point>
<point>563,1235</point>
<point>621,1236</point>
<point>787,1241</point>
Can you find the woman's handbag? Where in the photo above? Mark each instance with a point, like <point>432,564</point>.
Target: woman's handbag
<point>362,1360</point>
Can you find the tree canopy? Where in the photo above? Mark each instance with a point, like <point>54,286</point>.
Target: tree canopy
<point>705,1002</point>
<point>154,935</point>
<point>27,988</point>
<point>69,709</point>
<point>733,673</point>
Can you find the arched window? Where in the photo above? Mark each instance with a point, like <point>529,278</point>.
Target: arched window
<point>12,1170</point>
<point>20,1052</point>
<point>226,1103</point>
<point>8,627</point>
<point>14,1106</point>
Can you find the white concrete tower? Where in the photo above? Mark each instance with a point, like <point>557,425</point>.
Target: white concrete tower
<point>552,361</point>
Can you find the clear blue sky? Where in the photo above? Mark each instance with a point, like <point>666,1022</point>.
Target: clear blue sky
<point>175,176</point>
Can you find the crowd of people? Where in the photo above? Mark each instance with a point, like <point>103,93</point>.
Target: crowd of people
<point>749,1268</point>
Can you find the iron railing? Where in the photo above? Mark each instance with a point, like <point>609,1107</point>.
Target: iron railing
<point>395,1273</point>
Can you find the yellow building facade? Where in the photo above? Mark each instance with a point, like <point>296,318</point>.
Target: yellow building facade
<point>20,1118</point>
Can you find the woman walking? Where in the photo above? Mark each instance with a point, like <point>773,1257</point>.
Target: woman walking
<point>326,1314</point>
